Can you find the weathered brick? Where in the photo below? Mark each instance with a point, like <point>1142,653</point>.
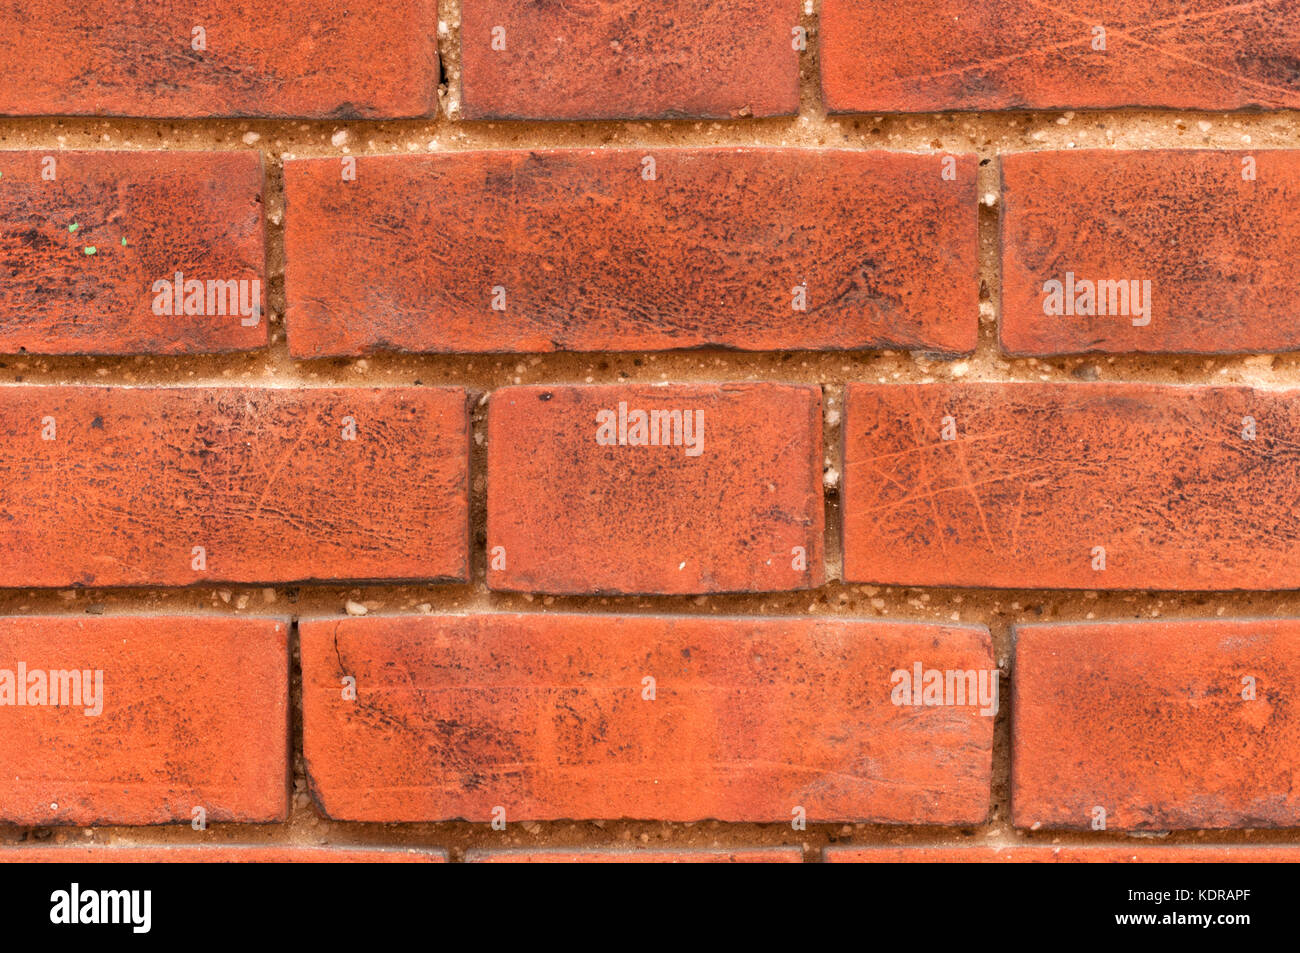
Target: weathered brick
<point>1162,250</point>
<point>186,712</point>
<point>939,55</point>
<point>1096,486</point>
<point>1161,725</point>
<point>85,237</point>
<point>573,249</point>
<point>220,854</point>
<point>1173,854</point>
<point>291,58</point>
<point>732,503</point>
<point>547,716</point>
<point>744,855</point>
<point>628,60</point>
<point>117,486</point>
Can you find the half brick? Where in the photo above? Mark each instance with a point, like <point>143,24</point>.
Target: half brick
<point>143,720</point>
<point>668,60</point>
<point>684,488</point>
<point>1155,251</point>
<point>131,252</point>
<point>1156,725</point>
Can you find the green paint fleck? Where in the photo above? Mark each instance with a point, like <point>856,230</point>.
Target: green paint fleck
<point>123,242</point>
<point>91,249</point>
<point>74,226</point>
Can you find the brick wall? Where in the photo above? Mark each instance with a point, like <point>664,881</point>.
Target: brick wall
<point>490,431</point>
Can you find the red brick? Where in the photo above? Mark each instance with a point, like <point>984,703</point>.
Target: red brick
<point>1152,722</point>
<point>195,713</point>
<point>261,478</point>
<point>939,55</point>
<point>341,60</point>
<point>544,715</point>
<point>84,250</point>
<point>628,60</point>
<point>754,855</point>
<point>1173,854</point>
<point>1216,247</point>
<point>1042,476</point>
<point>592,257</point>
<point>220,854</point>
<point>739,510</point>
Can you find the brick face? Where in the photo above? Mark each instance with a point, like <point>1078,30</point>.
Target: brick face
<point>575,249</point>
<point>217,854</point>
<point>757,855</point>
<point>1182,854</point>
<point>1084,218</point>
<point>87,235</point>
<point>193,712</point>
<point>1098,486</point>
<point>939,55</point>
<point>1162,725</point>
<point>117,486</point>
<point>570,514</point>
<point>293,58</point>
<point>628,60</point>
<point>547,716</point>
